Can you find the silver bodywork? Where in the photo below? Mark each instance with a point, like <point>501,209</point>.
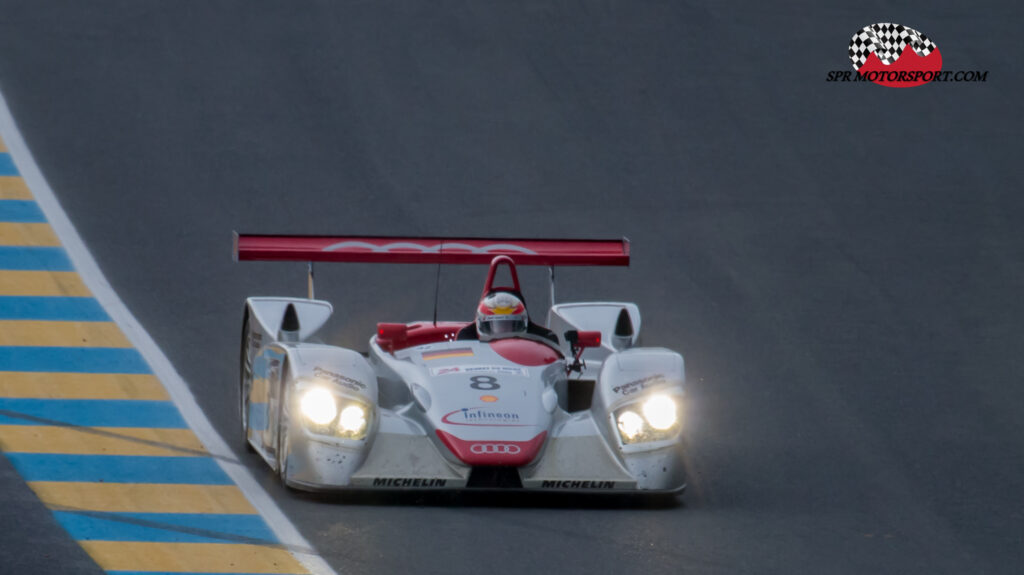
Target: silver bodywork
<point>431,402</point>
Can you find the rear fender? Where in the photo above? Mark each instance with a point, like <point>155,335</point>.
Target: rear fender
<point>267,313</point>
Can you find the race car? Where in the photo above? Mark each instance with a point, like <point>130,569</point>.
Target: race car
<point>495,401</point>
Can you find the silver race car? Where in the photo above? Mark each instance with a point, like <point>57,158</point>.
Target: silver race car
<point>501,401</point>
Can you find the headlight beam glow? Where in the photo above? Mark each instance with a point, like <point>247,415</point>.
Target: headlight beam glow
<point>660,412</point>
<point>352,419</point>
<point>630,424</point>
<point>655,418</point>
<point>318,406</point>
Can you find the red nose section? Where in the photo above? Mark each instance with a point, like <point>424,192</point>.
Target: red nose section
<point>493,453</point>
<point>524,351</point>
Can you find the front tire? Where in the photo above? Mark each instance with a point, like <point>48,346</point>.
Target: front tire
<point>283,426</point>
<point>245,383</point>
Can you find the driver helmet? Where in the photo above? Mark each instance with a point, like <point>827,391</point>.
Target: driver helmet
<point>501,314</point>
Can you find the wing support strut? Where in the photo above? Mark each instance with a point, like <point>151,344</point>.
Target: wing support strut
<point>552,270</point>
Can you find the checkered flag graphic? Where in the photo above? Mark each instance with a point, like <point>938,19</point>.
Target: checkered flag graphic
<point>887,41</point>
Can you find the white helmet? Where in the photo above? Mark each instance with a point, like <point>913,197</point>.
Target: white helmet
<point>501,314</point>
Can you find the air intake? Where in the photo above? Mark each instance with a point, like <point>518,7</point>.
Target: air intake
<point>289,325</point>
<point>623,335</point>
<point>494,478</point>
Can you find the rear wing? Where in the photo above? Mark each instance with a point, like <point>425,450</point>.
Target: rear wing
<point>409,250</point>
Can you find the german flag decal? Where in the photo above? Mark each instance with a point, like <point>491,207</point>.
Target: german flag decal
<point>448,353</point>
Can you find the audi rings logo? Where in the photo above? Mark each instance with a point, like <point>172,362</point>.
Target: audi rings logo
<point>495,448</point>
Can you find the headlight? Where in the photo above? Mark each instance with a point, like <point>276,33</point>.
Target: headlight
<point>630,425</point>
<point>318,406</point>
<point>352,421</point>
<point>660,412</point>
<point>325,413</point>
<point>653,419</point>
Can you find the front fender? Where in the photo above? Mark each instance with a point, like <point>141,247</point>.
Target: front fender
<point>630,376</point>
<point>342,369</point>
<point>324,456</point>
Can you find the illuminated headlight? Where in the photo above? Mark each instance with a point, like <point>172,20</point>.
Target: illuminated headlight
<point>352,421</point>
<point>660,412</point>
<point>630,425</point>
<point>318,406</point>
<point>656,418</point>
<point>326,413</point>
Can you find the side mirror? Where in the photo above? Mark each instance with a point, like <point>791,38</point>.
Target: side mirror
<point>589,339</point>
<point>583,339</point>
<point>578,341</point>
<point>391,335</point>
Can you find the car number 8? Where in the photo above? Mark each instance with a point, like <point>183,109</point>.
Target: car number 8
<point>484,382</point>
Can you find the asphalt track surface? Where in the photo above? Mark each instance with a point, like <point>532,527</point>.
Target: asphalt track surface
<point>841,265</point>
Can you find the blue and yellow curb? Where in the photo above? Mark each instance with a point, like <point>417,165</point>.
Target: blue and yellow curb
<point>92,430</point>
